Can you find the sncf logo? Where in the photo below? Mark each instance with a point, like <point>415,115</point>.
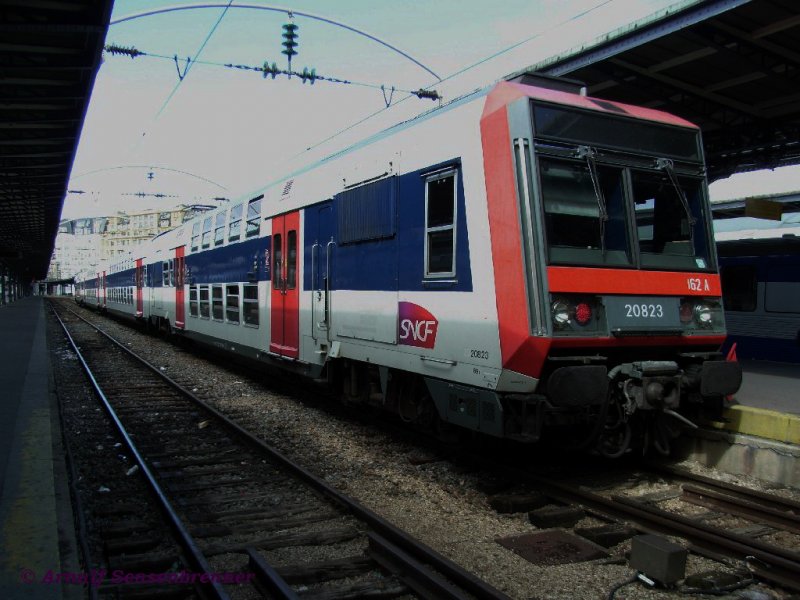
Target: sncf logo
<point>417,326</point>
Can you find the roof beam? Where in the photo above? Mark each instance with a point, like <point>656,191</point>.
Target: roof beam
<point>690,89</point>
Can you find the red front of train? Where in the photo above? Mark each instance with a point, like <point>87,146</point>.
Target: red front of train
<point>608,292</point>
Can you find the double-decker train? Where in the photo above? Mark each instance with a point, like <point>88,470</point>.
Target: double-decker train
<point>525,262</point>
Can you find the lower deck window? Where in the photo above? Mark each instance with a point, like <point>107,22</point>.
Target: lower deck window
<point>250,299</point>
<point>193,310</point>
<point>232,304</point>
<point>216,302</point>
<point>205,312</point>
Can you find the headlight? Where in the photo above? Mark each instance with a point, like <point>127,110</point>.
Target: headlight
<point>703,315</point>
<point>560,314</point>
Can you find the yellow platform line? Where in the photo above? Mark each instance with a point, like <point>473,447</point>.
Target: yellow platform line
<point>761,423</point>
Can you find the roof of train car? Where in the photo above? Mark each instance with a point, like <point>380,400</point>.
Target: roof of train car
<point>498,94</point>
<point>787,244</point>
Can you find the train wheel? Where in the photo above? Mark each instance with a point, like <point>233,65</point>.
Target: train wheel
<point>615,441</point>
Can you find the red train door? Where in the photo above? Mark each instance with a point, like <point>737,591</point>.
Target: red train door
<point>285,300</point>
<point>139,278</point>
<point>178,273</point>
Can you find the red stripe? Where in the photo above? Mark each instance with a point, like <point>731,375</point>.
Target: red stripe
<point>501,195</point>
<point>587,280</point>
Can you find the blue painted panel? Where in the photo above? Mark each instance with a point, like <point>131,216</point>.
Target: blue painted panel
<point>155,275</point>
<point>228,264</point>
<point>121,278</point>
<point>395,263</point>
<point>318,229</point>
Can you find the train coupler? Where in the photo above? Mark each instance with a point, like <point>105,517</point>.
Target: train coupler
<point>650,385</point>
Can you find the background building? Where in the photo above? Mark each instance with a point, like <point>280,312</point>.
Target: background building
<point>84,244</point>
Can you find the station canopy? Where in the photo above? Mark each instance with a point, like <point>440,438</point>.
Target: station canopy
<point>49,54</point>
<point>731,67</point>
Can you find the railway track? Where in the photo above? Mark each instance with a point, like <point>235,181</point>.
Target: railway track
<point>240,508</point>
<point>757,531</point>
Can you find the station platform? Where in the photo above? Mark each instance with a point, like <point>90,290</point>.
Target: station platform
<point>759,434</point>
<point>36,527</point>
<point>768,403</point>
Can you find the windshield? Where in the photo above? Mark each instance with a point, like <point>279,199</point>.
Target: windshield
<point>584,215</point>
<point>587,216</point>
<point>670,230</point>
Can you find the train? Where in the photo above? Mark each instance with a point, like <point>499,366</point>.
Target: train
<point>526,262</point>
<point>761,295</point>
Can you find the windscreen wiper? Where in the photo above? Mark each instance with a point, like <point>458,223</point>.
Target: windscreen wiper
<point>588,153</point>
<point>667,166</point>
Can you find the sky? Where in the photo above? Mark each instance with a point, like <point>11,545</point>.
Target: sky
<point>151,140</point>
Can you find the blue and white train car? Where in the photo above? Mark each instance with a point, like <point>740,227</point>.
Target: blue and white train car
<point>761,291</point>
<point>518,260</point>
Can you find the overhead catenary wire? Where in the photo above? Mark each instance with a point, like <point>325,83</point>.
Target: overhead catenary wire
<point>460,72</point>
<point>190,62</point>
<point>266,70</point>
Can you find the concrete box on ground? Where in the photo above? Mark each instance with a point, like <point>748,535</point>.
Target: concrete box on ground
<point>658,558</point>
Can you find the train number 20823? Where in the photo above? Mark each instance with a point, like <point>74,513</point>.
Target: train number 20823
<point>648,311</point>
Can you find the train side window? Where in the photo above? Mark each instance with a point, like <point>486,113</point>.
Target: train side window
<point>277,262</point>
<point>291,259</point>
<point>739,287</point>
<point>232,303</point>
<point>193,301</point>
<point>195,236</point>
<point>440,219</point>
<point>207,232</point>
<point>204,304</point>
<point>165,273</point>
<point>782,290</point>
<point>219,228</point>
<point>250,304</point>
<point>235,226</point>
<point>216,303</point>
<point>253,217</point>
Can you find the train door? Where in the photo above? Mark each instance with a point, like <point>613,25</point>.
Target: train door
<point>179,269</point>
<point>321,269</point>
<point>139,280</point>
<point>284,300</point>
<point>101,301</point>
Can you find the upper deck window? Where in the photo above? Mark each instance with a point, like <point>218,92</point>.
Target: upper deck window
<point>253,217</point>
<point>206,232</point>
<point>195,236</point>
<point>235,225</point>
<point>219,228</point>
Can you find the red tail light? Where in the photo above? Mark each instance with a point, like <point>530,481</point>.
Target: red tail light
<point>583,313</point>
